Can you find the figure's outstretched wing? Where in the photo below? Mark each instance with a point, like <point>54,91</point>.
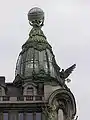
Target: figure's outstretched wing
<point>68,71</point>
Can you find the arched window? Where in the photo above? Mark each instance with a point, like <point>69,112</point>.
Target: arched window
<point>30,91</point>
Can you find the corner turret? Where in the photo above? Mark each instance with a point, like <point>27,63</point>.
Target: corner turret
<point>36,62</point>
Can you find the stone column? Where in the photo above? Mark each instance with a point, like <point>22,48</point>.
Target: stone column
<point>60,114</point>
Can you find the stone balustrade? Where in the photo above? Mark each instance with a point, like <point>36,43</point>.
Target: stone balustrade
<point>21,98</point>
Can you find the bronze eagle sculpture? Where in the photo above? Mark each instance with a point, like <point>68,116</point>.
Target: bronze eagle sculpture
<point>65,73</point>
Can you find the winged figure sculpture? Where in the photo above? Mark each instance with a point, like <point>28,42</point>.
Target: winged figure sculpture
<point>65,73</point>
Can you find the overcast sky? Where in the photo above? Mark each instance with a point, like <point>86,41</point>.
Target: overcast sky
<point>67,27</point>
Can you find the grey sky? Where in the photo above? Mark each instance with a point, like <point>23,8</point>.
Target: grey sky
<point>67,27</point>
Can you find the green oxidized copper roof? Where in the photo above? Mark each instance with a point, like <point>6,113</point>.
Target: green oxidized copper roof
<point>36,34</point>
<point>37,39</point>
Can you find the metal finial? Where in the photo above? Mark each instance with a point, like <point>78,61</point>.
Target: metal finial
<point>36,17</point>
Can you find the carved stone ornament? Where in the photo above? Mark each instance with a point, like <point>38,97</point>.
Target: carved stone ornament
<point>50,112</point>
<point>64,100</point>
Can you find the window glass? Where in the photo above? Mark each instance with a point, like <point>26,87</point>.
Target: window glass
<point>5,116</point>
<point>28,68</point>
<point>45,66</point>
<point>20,117</point>
<point>42,56</point>
<point>30,54</point>
<point>29,116</point>
<point>49,55</point>
<point>36,61</point>
<point>13,116</point>
<point>38,116</point>
<point>42,60</point>
<point>29,65</point>
<point>29,91</point>
<point>36,64</point>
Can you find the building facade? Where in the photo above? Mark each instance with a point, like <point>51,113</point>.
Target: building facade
<point>38,91</point>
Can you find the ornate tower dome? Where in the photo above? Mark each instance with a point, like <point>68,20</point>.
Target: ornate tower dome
<point>36,59</point>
